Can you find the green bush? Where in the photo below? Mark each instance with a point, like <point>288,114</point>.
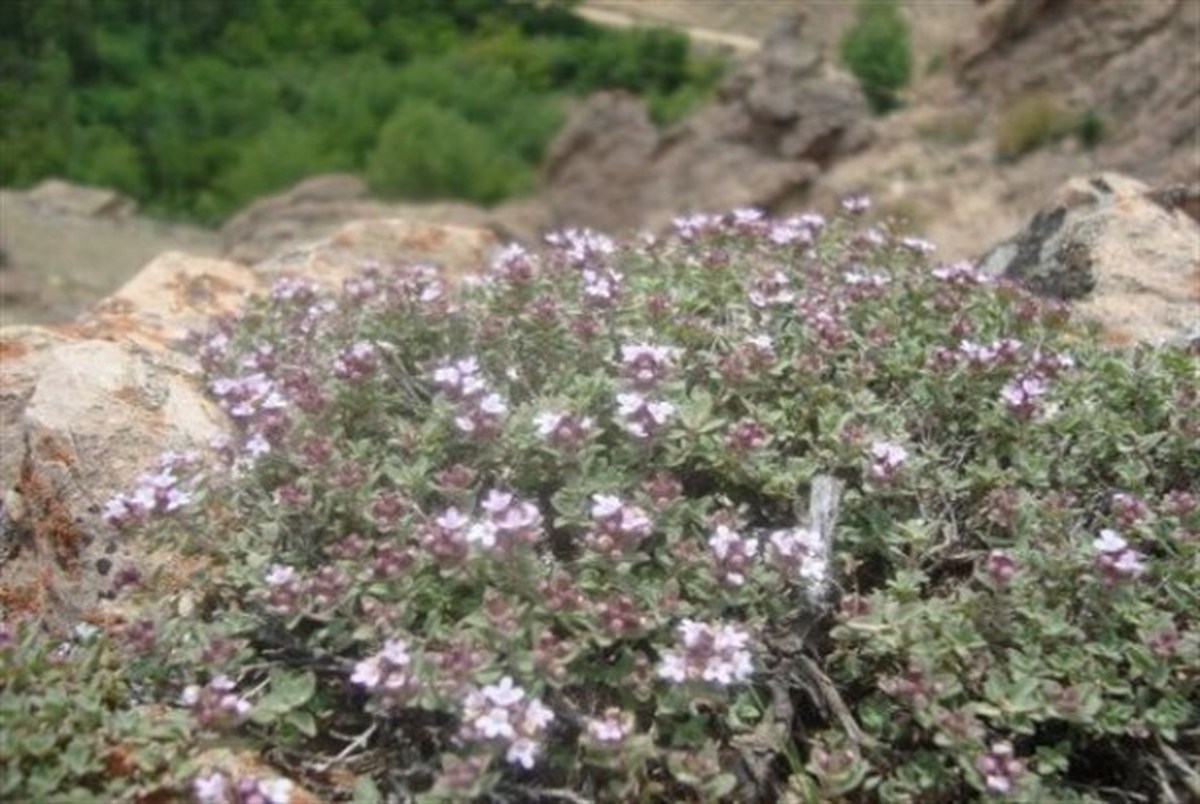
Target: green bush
<point>876,49</point>
<point>191,85</point>
<point>1090,129</point>
<point>1031,121</point>
<point>550,535</point>
<point>276,158</point>
<point>427,151</point>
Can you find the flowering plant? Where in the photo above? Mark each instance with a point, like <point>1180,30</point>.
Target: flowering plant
<point>548,534</point>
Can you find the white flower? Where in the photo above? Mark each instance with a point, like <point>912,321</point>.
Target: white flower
<point>483,534</point>
<point>521,752</point>
<point>1109,541</point>
<point>505,693</point>
<point>605,506</point>
<point>537,716</point>
<point>395,652</point>
<point>494,723</point>
<point>547,422</point>
<point>277,791</point>
<point>673,668</point>
<point>367,673</point>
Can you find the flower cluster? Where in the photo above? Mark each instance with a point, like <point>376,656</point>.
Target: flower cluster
<point>503,713</point>
<point>617,526</point>
<point>643,417</point>
<point>215,704</point>
<point>1115,559</point>
<point>886,461</point>
<point>800,553</point>
<point>215,788</point>
<point>712,653</point>
<point>746,435</point>
<point>731,553</point>
<point>356,362</point>
<point>480,410</point>
<point>248,396</point>
<point>160,492</point>
<point>609,730</point>
<point>388,675</point>
<point>513,265</point>
<point>771,289</point>
<point>1003,351</point>
<point>1000,567</point>
<point>1001,770</point>
<point>645,365</point>
<point>507,523</point>
<point>1023,395</point>
<point>564,430</point>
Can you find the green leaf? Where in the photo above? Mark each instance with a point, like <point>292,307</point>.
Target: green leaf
<point>365,791</point>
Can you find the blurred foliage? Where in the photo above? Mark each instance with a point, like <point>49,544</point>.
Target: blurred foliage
<point>1029,122</point>
<point>876,49</point>
<point>196,107</point>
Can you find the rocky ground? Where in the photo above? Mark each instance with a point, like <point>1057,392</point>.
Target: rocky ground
<point>933,164</point>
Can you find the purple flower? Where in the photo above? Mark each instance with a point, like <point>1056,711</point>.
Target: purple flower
<point>1000,567</point>
<point>1001,771</point>
<point>643,417</point>
<point>886,461</point>
<point>1022,395</point>
<point>610,729</point>
<point>645,365</point>
<point>504,713</point>
<point>732,553</point>
<point>712,653</point>
<point>1115,559</point>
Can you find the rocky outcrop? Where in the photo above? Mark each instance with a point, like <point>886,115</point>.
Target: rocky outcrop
<point>777,122</point>
<point>1134,65</point>
<point>316,207</point>
<point>64,198</point>
<point>88,406</point>
<point>1125,260</point>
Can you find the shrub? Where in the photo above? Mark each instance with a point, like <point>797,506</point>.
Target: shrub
<point>281,155</point>
<point>1090,129</point>
<point>547,531</point>
<point>1030,122</point>
<point>428,151</point>
<point>876,49</point>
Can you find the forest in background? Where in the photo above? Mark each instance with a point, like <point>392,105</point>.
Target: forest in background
<point>196,107</point>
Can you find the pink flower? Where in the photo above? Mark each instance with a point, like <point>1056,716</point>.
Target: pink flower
<point>713,653</point>
<point>1115,559</point>
<point>1000,769</point>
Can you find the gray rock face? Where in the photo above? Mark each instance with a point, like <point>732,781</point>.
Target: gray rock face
<point>775,125</point>
<point>1134,64</point>
<point>1110,245</point>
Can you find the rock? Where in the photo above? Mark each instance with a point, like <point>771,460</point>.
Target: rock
<point>88,406</point>
<point>777,122</point>
<point>59,197</point>
<point>1133,65</point>
<point>317,207</point>
<point>1126,261</point>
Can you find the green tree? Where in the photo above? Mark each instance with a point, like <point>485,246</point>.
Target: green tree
<point>428,151</point>
<point>876,49</point>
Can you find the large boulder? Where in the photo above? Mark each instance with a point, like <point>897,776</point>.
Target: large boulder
<point>777,122</point>
<point>317,207</point>
<point>60,197</point>
<point>88,406</point>
<point>1111,245</point>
